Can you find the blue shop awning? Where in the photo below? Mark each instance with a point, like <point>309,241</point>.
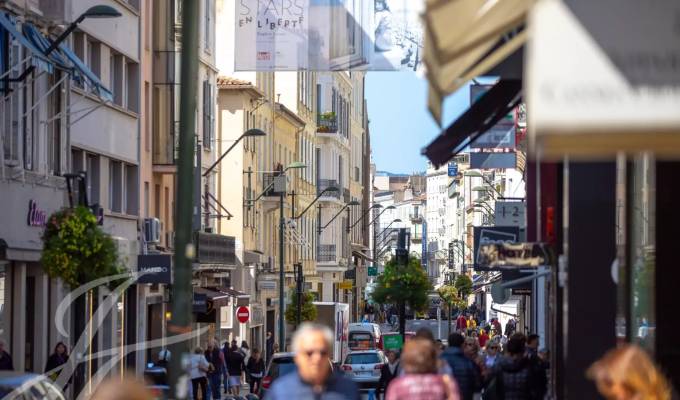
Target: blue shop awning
<point>96,84</point>
<point>42,43</point>
<point>38,58</point>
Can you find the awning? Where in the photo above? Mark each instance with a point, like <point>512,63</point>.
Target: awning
<point>97,85</point>
<point>483,114</point>
<point>362,255</point>
<point>252,257</point>
<point>42,43</point>
<point>38,59</point>
<point>465,39</point>
<point>218,298</point>
<point>241,299</point>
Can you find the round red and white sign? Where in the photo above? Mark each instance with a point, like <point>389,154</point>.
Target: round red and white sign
<point>242,314</point>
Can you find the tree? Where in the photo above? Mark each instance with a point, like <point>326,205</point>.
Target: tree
<point>76,249</point>
<point>452,299</point>
<point>403,285</point>
<point>463,284</point>
<point>308,312</point>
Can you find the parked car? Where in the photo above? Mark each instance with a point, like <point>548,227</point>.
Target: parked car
<point>280,365</point>
<point>27,386</point>
<point>363,367</point>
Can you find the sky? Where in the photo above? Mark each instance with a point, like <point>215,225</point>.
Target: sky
<point>400,123</point>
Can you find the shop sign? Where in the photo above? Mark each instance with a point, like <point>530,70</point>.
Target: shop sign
<point>393,342</point>
<point>493,234</point>
<point>521,292</point>
<point>510,213</point>
<point>200,303</point>
<point>372,271</point>
<point>453,169</point>
<point>215,249</point>
<point>504,256</point>
<point>36,216</point>
<point>266,285</point>
<point>157,268</point>
<point>493,160</point>
<point>346,285</point>
<point>256,316</point>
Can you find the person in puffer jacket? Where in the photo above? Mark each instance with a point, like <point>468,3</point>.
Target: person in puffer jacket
<point>516,375</point>
<point>466,373</point>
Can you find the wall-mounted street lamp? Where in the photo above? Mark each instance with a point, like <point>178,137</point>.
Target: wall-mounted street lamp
<point>477,174</point>
<point>248,133</point>
<point>98,11</point>
<point>350,204</point>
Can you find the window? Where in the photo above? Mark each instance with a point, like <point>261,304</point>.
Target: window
<point>157,200</point>
<point>115,185</point>
<point>116,71</point>
<point>130,190</point>
<point>54,136</point>
<point>207,115</point>
<point>146,199</point>
<point>94,56</point>
<point>132,85</point>
<point>92,170</point>
<point>207,21</point>
<point>10,128</point>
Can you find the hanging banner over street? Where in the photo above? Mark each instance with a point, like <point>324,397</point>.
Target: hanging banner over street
<point>323,35</point>
<point>509,256</point>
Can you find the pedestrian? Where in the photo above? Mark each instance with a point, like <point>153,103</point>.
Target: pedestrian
<point>275,348</point>
<point>491,354</point>
<point>215,368</point>
<point>163,358</point>
<point>225,371</point>
<point>255,371</point>
<point>245,350</point>
<point>235,367</point>
<point>466,373</point>
<point>421,380</point>
<point>56,359</point>
<point>461,323</point>
<point>533,341</point>
<point>483,337</point>
<point>269,343</point>
<point>515,375</point>
<point>442,365</point>
<point>198,370</point>
<point>510,327</point>
<point>5,359</point>
<point>314,378</point>
<point>388,372</point>
<point>628,373</point>
<point>497,326</point>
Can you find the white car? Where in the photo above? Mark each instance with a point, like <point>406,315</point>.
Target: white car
<point>364,367</point>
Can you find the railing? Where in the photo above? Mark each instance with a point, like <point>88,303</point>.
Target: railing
<point>268,179</point>
<point>326,253</point>
<point>323,184</point>
<point>416,218</point>
<point>327,122</point>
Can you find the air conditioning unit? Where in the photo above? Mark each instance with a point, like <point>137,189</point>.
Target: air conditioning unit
<point>170,240</point>
<point>152,230</point>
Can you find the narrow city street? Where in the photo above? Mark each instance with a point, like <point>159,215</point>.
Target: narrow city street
<point>199,197</point>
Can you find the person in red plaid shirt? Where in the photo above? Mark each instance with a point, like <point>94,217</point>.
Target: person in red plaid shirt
<point>421,380</point>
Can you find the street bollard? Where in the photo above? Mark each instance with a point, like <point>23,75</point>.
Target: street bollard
<point>371,394</point>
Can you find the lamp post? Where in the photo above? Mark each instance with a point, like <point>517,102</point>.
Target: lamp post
<point>98,11</point>
<point>282,274</point>
<point>248,133</point>
<point>375,248</point>
<point>477,174</point>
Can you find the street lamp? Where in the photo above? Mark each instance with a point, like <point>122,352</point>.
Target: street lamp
<point>248,133</point>
<point>375,248</point>
<point>326,190</point>
<point>98,11</point>
<point>282,225</point>
<point>477,174</point>
<point>351,203</point>
<point>377,205</point>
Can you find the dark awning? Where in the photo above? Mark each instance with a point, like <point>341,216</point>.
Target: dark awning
<point>483,114</point>
<point>217,298</point>
<point>362,255</point>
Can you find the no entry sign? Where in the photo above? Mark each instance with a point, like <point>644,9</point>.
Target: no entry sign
<point>242,314</point>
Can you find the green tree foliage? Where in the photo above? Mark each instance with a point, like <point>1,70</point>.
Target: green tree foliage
<point>450,296</point>
<point>403,284</point>
<point>308,312</point>
<point>463,284</point>
<point>76,250</point>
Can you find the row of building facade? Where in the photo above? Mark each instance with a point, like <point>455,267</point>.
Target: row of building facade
<point>114,116</point>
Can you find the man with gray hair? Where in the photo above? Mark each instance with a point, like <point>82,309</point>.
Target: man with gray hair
<point>314,378</point>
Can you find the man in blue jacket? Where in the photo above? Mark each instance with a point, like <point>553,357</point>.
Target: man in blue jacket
<point>314,378</point>
<point>464,370</point>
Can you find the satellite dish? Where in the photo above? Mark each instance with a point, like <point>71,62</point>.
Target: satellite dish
<point>499,294</point>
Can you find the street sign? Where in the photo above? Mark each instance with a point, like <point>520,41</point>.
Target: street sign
<point>372,271</point>
<point>510,213</point>
<point>453,169</point>
<point>504,256</point>
<point>242,314</point>
<point>346,285</point>
<point>393,342</point>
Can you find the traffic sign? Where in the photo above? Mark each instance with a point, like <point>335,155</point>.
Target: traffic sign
<point>346,285</point>
<point>393,342</point>
<point>242,314</point>
<point>372,271</point>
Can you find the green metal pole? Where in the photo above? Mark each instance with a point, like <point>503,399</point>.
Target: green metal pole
<point>282,276</point>
<point>184,250</point>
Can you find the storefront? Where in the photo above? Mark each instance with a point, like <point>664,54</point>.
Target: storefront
<point>28,297</point>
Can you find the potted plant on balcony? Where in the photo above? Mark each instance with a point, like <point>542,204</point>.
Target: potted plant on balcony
<point>327,122</point>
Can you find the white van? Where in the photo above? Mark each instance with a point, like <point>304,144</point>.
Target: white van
<point>364,336</point>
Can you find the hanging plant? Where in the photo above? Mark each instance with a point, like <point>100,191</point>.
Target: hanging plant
<point>76,249</point>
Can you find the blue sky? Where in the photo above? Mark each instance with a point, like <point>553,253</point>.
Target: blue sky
<point>400,123</point>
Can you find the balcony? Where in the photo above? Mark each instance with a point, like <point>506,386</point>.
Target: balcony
<point>326,253</point>
<point>323,184</point>
<point>417,237</point>
<point>327,122</point>
<point>267,180</point>
<point>416,218</point>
